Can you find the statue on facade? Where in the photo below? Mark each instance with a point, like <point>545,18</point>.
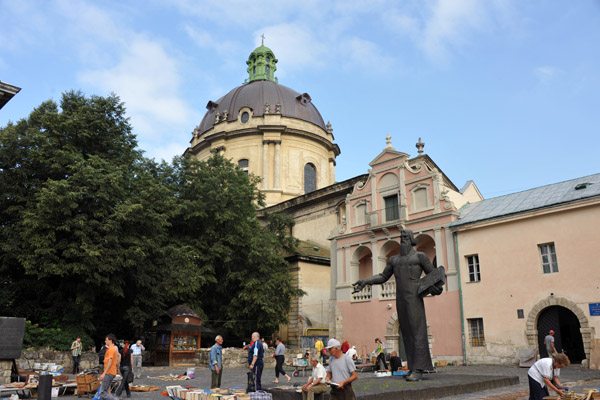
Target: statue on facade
<point>407,268</point>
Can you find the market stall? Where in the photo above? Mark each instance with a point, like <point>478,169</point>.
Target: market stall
<point>175,342</point>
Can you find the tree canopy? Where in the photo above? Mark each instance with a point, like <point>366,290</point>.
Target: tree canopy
<point>95,236</point>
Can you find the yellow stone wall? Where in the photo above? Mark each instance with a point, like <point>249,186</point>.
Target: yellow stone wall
<point>299,143</point>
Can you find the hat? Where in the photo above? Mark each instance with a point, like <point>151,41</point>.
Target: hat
<point>333,343</point>
<point>551,332</point>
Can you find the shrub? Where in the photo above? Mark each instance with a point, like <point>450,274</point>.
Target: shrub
<point>53,337</point>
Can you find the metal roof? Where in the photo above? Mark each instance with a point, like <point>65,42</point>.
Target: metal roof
<point>529,200</point>
<point>255,95</point>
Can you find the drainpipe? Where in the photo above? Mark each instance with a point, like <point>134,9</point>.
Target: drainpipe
<point>462,315</point>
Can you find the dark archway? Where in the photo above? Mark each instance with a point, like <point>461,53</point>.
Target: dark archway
<point>567,336</point>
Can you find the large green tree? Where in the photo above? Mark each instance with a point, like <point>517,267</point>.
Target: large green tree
<point>95,236</point>
<point>84,218</point>
<point>248,285</point>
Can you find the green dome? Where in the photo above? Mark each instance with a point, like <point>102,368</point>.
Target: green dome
<point>261,65</point>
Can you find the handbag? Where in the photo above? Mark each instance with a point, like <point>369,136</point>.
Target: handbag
<point>260,395</point>
<point>251,385</point>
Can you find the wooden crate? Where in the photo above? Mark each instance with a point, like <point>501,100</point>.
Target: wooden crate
<point>87,388</point>
<point>87,378</point>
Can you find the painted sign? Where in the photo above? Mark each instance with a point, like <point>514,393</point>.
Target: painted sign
<point>595,309</point>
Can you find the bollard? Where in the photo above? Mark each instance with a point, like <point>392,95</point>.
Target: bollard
<point>45,387</point>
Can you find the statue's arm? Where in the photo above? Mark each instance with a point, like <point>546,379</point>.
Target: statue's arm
<point>428,268</point>
<point>375,279</point>
<point>426,265</point>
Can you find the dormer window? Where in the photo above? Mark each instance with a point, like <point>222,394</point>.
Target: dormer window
<point>268,60</point>
<point>304,98</point>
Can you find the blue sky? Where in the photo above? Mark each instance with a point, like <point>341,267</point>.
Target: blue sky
<point>503,92</point>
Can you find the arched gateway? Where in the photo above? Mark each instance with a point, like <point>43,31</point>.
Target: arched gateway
<point>573,334</point>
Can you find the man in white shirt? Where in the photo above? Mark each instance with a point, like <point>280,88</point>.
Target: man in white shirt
<point>316,383</point>
<point>544,374</point>
<point>352,353</point>
<point>136,356</point>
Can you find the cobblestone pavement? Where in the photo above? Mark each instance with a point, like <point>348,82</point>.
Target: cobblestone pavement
<point>573,376</point>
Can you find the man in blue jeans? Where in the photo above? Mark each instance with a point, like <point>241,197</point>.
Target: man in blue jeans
<point>111,360</point>
<point>215,362</point>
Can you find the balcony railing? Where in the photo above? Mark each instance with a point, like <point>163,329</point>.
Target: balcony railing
<point>363,295</point>
<point>388,290</point>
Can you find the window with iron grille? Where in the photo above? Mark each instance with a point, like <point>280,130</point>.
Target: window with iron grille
<point>474,272</point>
<point>391,208</point>
<point>549,261</point>
<point>476,332</point>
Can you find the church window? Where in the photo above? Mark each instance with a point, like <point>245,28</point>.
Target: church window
<point>361,214</point>
<point>476,332</point>
<point>474,272</point>
<point>254,70</point>
<point>267,69</point>
<point>268,59</point>
<point>548,255</point>
<point>310,178</point>
<point>243,164</point>
<point>391,208</point>
<point>245,117</point>
<point>420,195</point>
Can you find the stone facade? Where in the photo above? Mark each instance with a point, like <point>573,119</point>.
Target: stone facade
<point>233,358</point>
<point>29,357</point>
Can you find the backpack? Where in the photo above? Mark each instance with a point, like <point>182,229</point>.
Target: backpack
<point>261,395</point>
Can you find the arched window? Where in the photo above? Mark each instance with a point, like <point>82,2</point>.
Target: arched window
<point>310,178</point>
<point>243,164</point>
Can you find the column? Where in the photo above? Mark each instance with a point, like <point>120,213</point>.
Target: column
<point>332,284</point>
<point>439,253</point>
<point>403,201</point>
<point>265,183</point>
<point>277,164</point>
<point>450,250</point>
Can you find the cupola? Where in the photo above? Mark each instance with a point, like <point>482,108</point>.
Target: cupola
<point>261,65</point>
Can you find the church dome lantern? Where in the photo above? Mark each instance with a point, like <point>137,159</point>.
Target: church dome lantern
<point>262,65</point>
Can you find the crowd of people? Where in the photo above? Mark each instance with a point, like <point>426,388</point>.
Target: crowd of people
<point>333,365</point>
<point>126,360</point>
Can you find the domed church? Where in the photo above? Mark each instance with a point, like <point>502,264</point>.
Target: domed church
<point>271,131</point>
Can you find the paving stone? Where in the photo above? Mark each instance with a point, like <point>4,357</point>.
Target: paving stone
<point>449,383</point>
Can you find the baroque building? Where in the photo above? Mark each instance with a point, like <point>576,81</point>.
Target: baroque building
<point>270,131</point>
<point>517,265</point>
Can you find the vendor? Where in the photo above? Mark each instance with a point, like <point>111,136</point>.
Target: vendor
<point>544,374</point>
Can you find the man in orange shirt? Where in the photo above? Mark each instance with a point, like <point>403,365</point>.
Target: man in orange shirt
<point>111,359</point>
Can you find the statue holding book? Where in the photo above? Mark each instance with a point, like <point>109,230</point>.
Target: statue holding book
<point>407,268</point>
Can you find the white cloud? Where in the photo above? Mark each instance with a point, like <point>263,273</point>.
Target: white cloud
<point>295,45</point>
<point>438,28</point>
<point>545,74</point>
<point>367,55</point>
<point>164,151</point>
<point>147,80</point>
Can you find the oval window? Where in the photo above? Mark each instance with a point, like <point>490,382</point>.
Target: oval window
<point>245,117</point>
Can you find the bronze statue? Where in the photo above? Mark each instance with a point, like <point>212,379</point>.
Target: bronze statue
<point>407,268</point>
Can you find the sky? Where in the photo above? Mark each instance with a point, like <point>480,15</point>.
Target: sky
<point>502,92</point>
